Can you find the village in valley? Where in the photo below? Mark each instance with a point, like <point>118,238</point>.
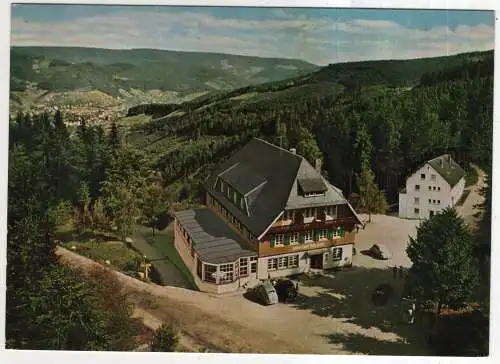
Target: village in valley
<point>234,203</point>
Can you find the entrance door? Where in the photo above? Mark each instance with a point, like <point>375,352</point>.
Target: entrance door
<point>316,261</point>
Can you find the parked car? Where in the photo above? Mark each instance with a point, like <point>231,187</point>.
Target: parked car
<point>286,290</point>
<point>266,293</point>
<point>380,251</point>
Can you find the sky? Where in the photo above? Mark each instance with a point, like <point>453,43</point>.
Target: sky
<point>319,36</point>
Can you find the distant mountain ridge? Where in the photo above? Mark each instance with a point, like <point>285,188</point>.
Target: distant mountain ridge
<point>117,72</point>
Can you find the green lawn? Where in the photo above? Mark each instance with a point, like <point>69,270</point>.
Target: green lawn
<point>101,247</point>
<point>163,245</point>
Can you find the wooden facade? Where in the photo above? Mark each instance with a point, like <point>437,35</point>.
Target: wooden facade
<point>265,248</point>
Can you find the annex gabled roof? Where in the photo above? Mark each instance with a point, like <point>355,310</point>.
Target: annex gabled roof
<point>269,177</point>
<point>214,241</point>
<point>447,168</point>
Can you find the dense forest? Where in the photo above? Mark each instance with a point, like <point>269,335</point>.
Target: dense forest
<point>88,178</point>
<point>113,180</point>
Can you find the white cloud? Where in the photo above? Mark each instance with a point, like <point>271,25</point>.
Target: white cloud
<point>374,24</point>
<point>317,40</point>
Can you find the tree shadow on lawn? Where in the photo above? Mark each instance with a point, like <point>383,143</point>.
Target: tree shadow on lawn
<point>361,344</point>
<point>347,294</point>
<point>84,236</point>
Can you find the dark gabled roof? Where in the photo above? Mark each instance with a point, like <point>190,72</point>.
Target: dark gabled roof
<point>277,166</point>
<point>312,185</point>
<point>447,168</point>
<point>242,178</point>
<point>214,241</point>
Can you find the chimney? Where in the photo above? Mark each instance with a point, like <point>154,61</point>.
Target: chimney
<point>293,150</point>
<point>317,165</point>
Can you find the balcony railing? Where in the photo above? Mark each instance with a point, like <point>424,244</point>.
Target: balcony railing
<point>345,222</point>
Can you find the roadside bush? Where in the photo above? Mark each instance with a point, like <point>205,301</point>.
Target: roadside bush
<point>165,339</point>
<point>62,214</point>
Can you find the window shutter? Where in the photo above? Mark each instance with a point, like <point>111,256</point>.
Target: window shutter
<point>315,235</point>
<point>271,243</point>
<point>329,233</point>
<point>302,238</point>
<point>287,239</point>
<point>341,232</point>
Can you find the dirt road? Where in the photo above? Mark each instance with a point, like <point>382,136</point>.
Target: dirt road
<point>333,315</point>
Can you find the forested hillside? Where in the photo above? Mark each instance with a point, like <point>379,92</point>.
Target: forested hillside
<point>116,72</point>
<point>399,122</point>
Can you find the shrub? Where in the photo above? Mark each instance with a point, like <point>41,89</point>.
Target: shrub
<point>165,338</point>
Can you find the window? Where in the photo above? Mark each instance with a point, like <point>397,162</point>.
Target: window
<point>228,191</point>
<point>433,201</point>
<point>430,188</point>
<point>331,211</point>
<point>439,188</point>
<point>192,252</point>
<point>308,235</point>
<point>294,238</point>
<point>439,202</point>
<point>417,187</point>
<point>242,203</point>
<point>336,253</point>
<point>253,264</point>
<point>235,197</point>
<point>209,275</point>
<point>417,211</point>
<point>433,177</point>
<point>288,215</point>
<point>422,176</point>
<point>279,239</point>
<point>430,201</point>
<point>321,234</point>
<point>272,264</point>
<point>221,186</point>
<point>417,200</point>
<point>434,188</point>
<point>309,212</point>
<point>282,262</point>
<point>336,233</point>
<point>243,267</point>
<point>199,268</point>
<point>291,261</point>
<point>226,273</point>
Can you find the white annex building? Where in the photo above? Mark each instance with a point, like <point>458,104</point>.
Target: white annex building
<point>438,184</point>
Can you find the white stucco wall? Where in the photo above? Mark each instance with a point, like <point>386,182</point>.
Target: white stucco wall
<point>345,259</point>
<point>262,272</point>
<point>436,199</point>
<point>304,262</point>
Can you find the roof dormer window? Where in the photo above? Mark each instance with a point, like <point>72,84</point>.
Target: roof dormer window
<point>312,187</point>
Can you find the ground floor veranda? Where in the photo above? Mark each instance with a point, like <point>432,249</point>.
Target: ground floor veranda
<point>241,272</point>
